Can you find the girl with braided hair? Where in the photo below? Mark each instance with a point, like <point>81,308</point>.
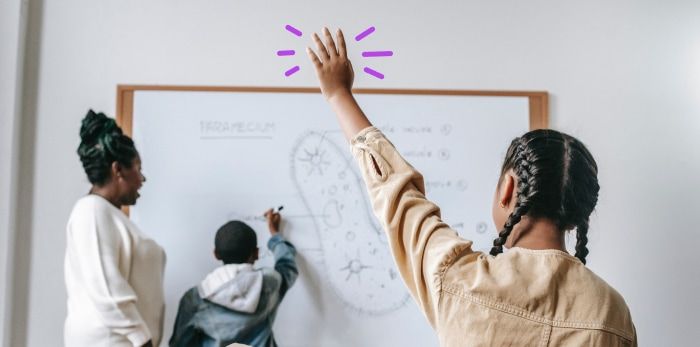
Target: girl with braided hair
<point>557,186</point>
<point>113,272</point>
<point>535,294</point>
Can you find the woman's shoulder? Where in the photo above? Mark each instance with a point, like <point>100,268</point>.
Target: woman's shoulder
<point>94,202</point>
<point>93,206</point>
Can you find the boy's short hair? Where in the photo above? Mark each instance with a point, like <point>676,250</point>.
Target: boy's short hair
<point>235,242</point>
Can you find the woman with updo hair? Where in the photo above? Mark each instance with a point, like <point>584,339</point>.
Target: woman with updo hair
<point>113,271</point>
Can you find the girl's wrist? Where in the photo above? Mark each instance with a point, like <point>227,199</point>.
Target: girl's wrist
<point>340,96</point>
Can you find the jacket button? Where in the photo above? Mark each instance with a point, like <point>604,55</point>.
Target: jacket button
<point>360,138</point>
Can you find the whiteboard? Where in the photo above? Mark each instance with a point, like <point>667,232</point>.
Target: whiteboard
<point>213,156</point>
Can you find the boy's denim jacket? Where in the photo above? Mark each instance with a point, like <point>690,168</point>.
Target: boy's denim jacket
<point>202,322</point>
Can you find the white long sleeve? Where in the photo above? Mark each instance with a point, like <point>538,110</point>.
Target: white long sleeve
<point>105,261</point>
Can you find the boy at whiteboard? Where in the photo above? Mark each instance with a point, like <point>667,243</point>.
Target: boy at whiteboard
<point>237,303</point>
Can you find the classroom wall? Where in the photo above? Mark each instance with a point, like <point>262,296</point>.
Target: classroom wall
<point>624,76</point>
<point>12,27</point>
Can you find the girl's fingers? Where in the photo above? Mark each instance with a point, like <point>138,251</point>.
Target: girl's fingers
<point>322,52</point>
<point>314,58</point>
<point>342,52</point>
<point>330,43</point>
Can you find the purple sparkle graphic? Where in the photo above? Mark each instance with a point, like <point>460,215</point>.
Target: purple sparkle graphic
<point>291,71</point>
<point>293,30</point>
<point>364,34</point>
<point>286,52</point>
<point>370,54</point>
<point>374,73</point>
<point>289,52</point>
<point>359,37</point>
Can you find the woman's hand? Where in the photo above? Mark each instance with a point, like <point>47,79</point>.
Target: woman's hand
<point>333,68</point>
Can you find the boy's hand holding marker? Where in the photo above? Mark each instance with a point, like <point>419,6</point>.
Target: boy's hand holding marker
<point>273,220</point>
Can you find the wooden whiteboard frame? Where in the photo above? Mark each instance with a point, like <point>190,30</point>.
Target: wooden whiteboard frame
<point>538,100</point>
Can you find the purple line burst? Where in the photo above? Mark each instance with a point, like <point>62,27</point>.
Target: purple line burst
<point>374,73</point>
<point>370,54</point>
<point>293,30</point>
<point>286,52</point>
<point>359,37</point>
<point>289,52</point>
<point>291,71</point>
<point>364,34</point>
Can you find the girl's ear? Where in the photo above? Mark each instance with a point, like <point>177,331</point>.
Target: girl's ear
<point>506,190</point>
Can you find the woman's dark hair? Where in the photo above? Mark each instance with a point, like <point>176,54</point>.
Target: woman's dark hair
<point>557,179</point>
<point>102,142</point>
<point>235,242</point>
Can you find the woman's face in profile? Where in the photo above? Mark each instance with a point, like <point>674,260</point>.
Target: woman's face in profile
<point>131,182</point>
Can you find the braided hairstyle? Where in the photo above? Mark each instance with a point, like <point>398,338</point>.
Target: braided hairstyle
<point>102,143</point>
<point>556,179</point>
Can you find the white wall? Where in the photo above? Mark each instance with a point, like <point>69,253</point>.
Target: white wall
<point>624,77</point>
<point>12,28</point>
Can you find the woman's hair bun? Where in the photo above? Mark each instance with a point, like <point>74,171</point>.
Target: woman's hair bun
<point>97,126</point>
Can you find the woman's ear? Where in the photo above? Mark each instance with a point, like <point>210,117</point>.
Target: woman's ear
<point>116,169</point>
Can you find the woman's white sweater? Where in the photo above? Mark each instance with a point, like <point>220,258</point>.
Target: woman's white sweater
<point>114,279</point>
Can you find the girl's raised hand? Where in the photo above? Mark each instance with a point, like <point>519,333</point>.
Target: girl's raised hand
<point>333,68</point>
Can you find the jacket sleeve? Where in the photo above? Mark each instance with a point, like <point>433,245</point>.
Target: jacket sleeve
<point>185,332</point>
<point>285,263</point>
<point>422,245</point>
<point>95,238</point>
